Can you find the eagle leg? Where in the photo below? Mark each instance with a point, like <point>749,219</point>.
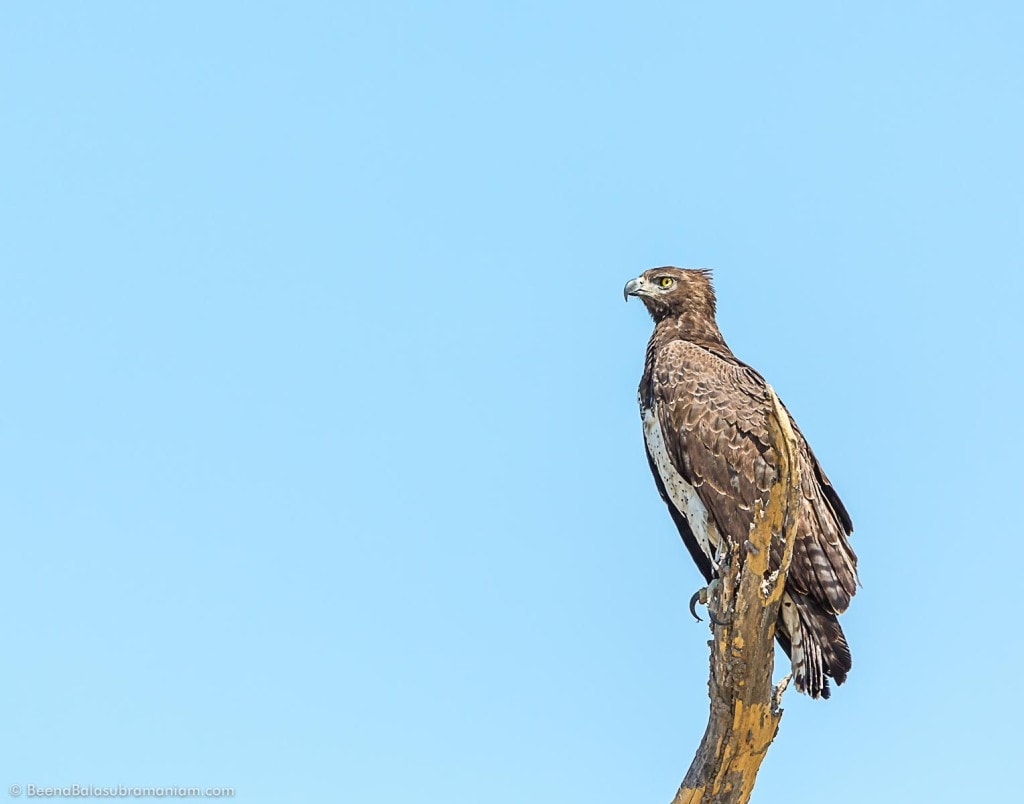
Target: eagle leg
<point>721,557</point>
<point>703,596</point>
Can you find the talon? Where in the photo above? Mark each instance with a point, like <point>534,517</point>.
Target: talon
<point>713,588</point>
<point>703,596</point>
<point>693,605</point>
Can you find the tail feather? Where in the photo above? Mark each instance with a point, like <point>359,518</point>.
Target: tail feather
<point>815,643</point>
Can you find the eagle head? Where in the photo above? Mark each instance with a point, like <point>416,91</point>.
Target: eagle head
<point>669,292</point>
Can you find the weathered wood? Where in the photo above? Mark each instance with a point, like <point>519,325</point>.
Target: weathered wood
<point>745,714</point>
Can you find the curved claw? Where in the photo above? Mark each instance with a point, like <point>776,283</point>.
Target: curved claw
<point>693,606</point>
<point>703,596</point>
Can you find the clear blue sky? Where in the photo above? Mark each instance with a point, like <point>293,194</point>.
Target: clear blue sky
<point>322,472</point>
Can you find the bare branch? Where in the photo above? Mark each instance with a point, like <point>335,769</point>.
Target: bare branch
<point>745,708</point>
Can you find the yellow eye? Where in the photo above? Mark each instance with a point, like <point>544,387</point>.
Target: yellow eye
<point>666,281</point>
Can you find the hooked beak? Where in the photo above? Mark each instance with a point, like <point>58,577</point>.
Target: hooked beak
<point>634,287</point>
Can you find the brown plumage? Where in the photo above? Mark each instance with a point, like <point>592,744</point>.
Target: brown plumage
<point>706,431</point>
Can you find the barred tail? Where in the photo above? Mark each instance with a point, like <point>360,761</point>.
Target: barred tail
<point>814,641</point>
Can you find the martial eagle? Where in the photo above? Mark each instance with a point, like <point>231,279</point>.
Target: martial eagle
<point>705,419</point>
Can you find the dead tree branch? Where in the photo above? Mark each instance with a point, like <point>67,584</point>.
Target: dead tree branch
<point>745,713</point>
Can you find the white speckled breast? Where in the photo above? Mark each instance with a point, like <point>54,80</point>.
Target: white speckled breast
<point>682,494</point>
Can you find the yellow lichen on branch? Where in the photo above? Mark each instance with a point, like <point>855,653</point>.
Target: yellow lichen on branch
<point>745,713</point>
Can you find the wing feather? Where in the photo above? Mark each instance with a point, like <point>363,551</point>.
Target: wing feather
<point>714,412</point>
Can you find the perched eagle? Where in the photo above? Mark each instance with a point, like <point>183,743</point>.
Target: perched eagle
<point>705,417</point>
